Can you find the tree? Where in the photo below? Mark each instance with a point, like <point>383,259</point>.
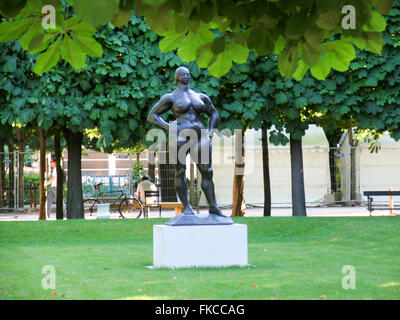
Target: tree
<point>102,94</point>
<point>300,32</point>
<point>105,104</point>
<point>365,98</point>
<point>374,84</point>
<point>44,100</point>
<point>344,100</point>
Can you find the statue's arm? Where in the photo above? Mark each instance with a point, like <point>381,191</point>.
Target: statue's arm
<point>211,111</point>
<point>158,109</point>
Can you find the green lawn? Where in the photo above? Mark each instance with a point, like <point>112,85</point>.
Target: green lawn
<point>290,258</point>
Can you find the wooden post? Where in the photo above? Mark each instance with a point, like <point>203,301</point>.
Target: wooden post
<point>391,202</point>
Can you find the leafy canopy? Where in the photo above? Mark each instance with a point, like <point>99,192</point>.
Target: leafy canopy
<point>216,34</point>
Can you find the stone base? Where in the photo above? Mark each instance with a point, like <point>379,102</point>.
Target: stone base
<point>199,219</point>
<point>199,246</point>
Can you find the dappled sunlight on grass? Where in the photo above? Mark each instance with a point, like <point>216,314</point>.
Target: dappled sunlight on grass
<point>389,284</point>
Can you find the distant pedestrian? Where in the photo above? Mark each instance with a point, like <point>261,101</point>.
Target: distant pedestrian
<point>52,182</point>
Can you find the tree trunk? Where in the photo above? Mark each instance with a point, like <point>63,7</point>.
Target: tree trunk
<point>11,174</point>
<point>266,177</point>
<point>60,177</point>
<point>74,183</point>
<point>298,192</point>
<point>238,202</point>
<point>353,148</point>
<point>2,173</point>
<point>333,136</point>
<point>332,169</point>
<point>21,181</point>
<point>42,168</point>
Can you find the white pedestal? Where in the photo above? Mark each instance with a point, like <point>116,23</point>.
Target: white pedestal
<point>199,246</point>
<point>103,211</point>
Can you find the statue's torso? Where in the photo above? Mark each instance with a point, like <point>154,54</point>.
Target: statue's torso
<point>187,107</point>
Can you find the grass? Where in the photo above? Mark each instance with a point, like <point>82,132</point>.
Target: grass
<point>290,258</point>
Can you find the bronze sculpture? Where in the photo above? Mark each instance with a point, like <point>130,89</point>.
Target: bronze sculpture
<point>187,106</point>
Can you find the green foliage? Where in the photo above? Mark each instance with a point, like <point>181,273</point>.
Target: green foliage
<point>10,8</point>
<point>364,97</point>
<point>71,39</point>
<point>138,173</point>
<point>278,27</point>
<point>368,95</point>
<point>107,96</point>
<point>108,100</point>
<point>96,12</point>
<point>113,94</point>
<point>216,33</point>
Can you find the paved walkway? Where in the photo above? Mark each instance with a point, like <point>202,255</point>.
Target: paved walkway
<point>250,212</point>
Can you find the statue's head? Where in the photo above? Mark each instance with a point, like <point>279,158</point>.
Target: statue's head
<point>182,75</point>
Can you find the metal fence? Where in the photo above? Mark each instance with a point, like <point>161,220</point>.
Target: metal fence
<point>109,184</point>
<point>18,188</point>
<point>332,176</point>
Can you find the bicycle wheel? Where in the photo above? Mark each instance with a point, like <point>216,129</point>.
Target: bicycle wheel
<point>90,205</point>
<point>130,208</point>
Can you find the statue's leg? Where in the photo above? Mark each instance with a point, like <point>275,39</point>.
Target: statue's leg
<point>207,184</point>
<point>181,188</point>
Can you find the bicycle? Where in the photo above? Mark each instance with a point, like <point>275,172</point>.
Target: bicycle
<point>127,206</point>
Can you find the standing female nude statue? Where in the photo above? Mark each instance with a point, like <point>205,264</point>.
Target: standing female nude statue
<point>187,106</point>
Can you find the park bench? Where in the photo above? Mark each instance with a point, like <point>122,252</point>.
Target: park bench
<point>160,204</point>
<point>164,205</point>
<point>176,205</point>
<point>167,205</point>
<point>371,194</point>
